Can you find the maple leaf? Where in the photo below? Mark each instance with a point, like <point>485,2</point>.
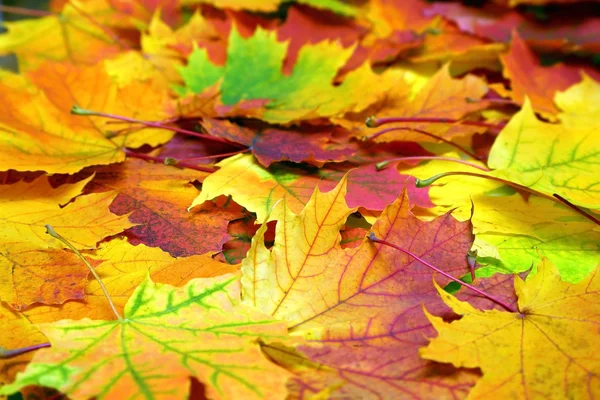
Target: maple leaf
<point>434,97</point>
<point>538,83</point>
<point>167,48</point>
<point>123,267</point>
<point>498,23</point>
<point>167,335</point>
<point>29,271</point>
<point>18,336</point>
<point>287,98</point>
<point>550,158</point>
<point>314,145</point>
<point>28,207</point>
<point>514,229</point>
<point>45,136</point>
<point>546,350</point>
<point>42,137</point>
<point>155,198</point>
<point>257,188</point>
<point>68,36</point>
<point>359,307</point>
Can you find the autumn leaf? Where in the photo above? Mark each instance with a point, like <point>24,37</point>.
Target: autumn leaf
<point>123,267</point>
<point>535,82</point>
<point>199,330</point>
<point>28,207</point>
<point>44,137</point>
<point>18,336</point>
<point>550,158</point>
<point>546,350</point>
<point>359,307</point>
<point>68,36</point>
<point>439,96</point>
<point>31,275</point>
<point>156,198</point>
<point>313,145</point>
<point>512,229</point>
<point>287,98</point>
<point>127,85</point>
<point>258,189</point>
<point>30,272</point>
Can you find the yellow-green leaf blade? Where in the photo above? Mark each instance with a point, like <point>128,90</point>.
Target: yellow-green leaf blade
<point>167,336</point>
<point>550,158</point>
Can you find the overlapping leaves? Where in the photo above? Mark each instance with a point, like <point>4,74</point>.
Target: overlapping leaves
<point>251,115</point>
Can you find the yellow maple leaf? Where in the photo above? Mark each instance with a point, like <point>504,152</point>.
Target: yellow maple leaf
<point>551,158</point>
<point>66,37</point>
<point>17,333</point>
<point>547,350</point>
<point>31,272</point>
<point>123,267</point>
<point>44,135</point>
<point>439,96</point>
<point>28,207</point>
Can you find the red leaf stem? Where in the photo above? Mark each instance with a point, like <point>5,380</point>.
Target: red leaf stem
<point>375,239</point>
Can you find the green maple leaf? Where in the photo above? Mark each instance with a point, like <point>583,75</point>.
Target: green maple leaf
<point>254,72</point>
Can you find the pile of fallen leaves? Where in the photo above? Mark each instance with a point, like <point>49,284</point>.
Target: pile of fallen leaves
<point>241,199</point>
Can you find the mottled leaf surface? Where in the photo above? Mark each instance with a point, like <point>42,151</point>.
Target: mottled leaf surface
<point>168,335</point>
<point>546,349</point>
<point>360,307</point>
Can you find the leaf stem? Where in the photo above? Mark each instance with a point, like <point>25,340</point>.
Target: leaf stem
<point>25,11</point>
<point>100,26</point>
<point>375,239</point>
<point>420,183</point>
<point>373,122</point>
<point>21,350</point>
<point>431,135</point>
<point>80,111</point>
<point>168,161</point>
<point>577,209</point>
<point>54,234</point>
<point>381,165</point>
<point>493,101</point>
<point>233,153</point>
